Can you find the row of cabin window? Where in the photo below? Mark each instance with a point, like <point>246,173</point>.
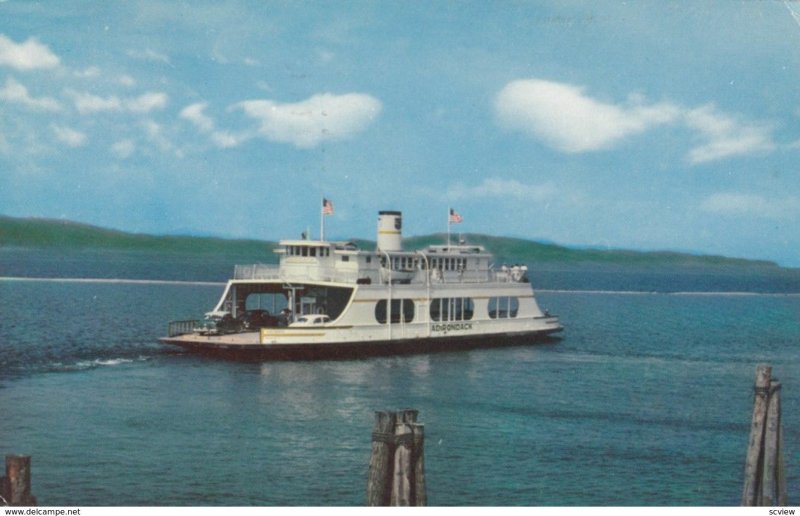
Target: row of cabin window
<point>412,262</point>
<point>301,250</point>
<point>449,264</point>
<point>446,309</point>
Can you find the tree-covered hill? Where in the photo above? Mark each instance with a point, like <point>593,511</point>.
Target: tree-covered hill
<point>49,233</point>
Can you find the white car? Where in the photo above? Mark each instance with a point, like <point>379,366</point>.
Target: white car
<point>311,320</point>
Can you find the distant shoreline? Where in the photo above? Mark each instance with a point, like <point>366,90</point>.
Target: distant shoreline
<point>49,234</point>
<point>112,281</point>
<point>125,281</point>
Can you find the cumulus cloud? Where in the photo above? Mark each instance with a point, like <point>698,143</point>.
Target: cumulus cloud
<point>307,123</point>
<point>724,136</point>
<point>30,55</point>
<point>146,102</point>
<point>91,72</point>
<point>567,119</point>
<point>505,188</point>
<point>87,103</point>
<point>751,205</point>
<point>149,55</point>
<point>69,136</point>
<point>16,93</point>
<point>123,149</point>
<point>195,113</point>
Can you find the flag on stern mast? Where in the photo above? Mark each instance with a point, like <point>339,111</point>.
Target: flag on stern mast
<point>327,209</point>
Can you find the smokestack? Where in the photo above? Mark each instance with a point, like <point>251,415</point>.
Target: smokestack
<point>390,235</point>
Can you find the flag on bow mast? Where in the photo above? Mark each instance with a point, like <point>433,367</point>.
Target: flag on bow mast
<point>453,218</point>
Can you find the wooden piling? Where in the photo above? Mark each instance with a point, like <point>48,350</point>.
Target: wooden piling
<point>401,482</point>
<point>768,492</point>
<point>765,479</point>
<point>396,469</point>
<point>379,479</point>
<point>418,465</point>
<point>754,456</point>
<point>16,485</point>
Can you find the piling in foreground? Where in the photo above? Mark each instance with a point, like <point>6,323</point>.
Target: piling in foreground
<point>396,466</point>
<point>764,475</point>
<point>15,487</point>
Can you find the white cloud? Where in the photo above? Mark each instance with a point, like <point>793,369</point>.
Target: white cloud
<point>307,123</point>
<point>87,103</point>
<point>16,93</point>
<point>751,205</point>
<point>91,72</point>
<point>725,136</point>
<point>126,80</point>
<point>69,136</point>
<point>564,117</point>
<point>569,120</point>
<point>30,55</point>
<point>505,188</point>
<point>146,102</point>
<point>149,55</point>
<point>195,113</point>
<point>158,137</point>
<point>123,149</point>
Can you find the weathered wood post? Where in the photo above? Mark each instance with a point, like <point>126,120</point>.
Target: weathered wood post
<point>765,480</point>
<point>396,469</point>
<point>754,456</point>
<point>771,474</point>
<point>418,466</point>
<point>380,462</point>
<point>16,485</point>
<point>402,482</point>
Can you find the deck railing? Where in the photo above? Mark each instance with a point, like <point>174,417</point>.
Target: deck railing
<point>256,271</point>
<point>182,327</point>
<point>316,273</point>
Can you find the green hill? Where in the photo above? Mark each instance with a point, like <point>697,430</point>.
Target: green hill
<point>48,233</point>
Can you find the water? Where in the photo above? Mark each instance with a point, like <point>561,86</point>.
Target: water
<point>646,400</point>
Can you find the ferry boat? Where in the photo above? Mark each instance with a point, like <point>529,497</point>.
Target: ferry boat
<point>330,299</point>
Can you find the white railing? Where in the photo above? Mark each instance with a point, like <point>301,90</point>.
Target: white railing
<point>294,273</point>
<point>315,273</point>
<point>256,271</point>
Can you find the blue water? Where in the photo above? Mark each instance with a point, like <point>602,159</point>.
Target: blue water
<point>645,400</point>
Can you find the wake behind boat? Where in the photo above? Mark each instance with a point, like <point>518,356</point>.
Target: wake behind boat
<point>329,299</point>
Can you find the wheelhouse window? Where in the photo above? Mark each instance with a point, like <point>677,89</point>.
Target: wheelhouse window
<point>503,307</point>
<point>402,310</point>
<point>452,309</point>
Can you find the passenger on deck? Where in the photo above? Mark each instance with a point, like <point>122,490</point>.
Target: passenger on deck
<point>285,317</point>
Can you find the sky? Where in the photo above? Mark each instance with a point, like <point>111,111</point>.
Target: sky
<point>604,124</point>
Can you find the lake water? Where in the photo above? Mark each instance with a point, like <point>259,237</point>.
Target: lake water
<point>645,400</point>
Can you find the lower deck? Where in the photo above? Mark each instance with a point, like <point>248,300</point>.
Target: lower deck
<point>248,345</point>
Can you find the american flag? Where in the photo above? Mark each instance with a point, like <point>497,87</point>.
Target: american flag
<point>455,218</point>
<point>327,207</point>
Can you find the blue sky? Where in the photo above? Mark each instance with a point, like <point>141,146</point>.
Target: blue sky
<point>640,125</point>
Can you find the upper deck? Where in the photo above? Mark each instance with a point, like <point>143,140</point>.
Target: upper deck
<point>344,262</point>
